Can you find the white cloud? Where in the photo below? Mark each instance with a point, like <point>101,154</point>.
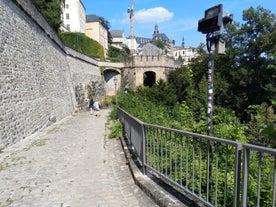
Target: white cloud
<point>153,15</point>
<point>147,16</point>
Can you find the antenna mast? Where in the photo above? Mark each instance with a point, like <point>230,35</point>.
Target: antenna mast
<point>131,15</point>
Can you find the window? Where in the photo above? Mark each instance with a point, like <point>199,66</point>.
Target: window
<point>67,15</point>
<point>68,27</point>
<point>67,6</point>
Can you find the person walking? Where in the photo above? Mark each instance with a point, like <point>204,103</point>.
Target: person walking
<point>91,106</point>
<point>96,107</point>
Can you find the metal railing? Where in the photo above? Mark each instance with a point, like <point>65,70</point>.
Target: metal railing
<point>259,187</point>
<point>206,167</point>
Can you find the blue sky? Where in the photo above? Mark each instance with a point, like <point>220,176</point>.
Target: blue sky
<point>175,18</point>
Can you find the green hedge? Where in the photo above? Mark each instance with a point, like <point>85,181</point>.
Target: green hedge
<point>83,44</point>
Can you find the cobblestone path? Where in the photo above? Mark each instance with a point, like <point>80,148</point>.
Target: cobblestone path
<point>69,164</point>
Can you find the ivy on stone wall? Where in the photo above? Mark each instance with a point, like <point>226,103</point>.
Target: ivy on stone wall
<point>51,10</point>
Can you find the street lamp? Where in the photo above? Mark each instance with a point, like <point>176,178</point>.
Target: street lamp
<point>115,83</point>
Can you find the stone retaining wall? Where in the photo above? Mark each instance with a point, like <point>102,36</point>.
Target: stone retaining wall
<point>38,74</point>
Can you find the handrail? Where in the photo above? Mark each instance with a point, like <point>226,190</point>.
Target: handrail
<point>211,173</point>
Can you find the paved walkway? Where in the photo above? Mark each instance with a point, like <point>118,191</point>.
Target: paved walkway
<point>71,163</point>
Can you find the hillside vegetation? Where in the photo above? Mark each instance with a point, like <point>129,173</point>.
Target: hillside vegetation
<point>244,104</point>
<point>80,42</point>
<point>244,87</point>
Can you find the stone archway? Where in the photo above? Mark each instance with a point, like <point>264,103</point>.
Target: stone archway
<point>149,78</point>
<point>109,76</point>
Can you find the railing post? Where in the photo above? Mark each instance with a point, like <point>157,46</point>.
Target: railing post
<point>246,156</point>
<point>274,184</point>
<point>143,149</point>
<point>209,170</point>
<point>237,184</point>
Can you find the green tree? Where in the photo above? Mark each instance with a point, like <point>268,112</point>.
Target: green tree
<point>262,125</point>
<point>116,54</point>
<point>125,51</point>
<point>113,52</point>
<point>181,81</point>
<point>159,43</point>
<point>190,84</point>
<point>248,67</point>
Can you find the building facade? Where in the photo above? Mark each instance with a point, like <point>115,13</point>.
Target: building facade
<point>118,38</point>
<point>73,16</point>
<point>97,29</point>
<point>186,54</point>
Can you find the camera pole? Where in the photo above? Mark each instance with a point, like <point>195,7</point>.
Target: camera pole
<point>211,40</point>
<point>212,25</point>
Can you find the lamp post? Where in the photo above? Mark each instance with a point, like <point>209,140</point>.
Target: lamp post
<point>115,83</point>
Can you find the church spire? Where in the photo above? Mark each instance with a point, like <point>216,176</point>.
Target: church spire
<point>156,31</point>
<point>183,42</point>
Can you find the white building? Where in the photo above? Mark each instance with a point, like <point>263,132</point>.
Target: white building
<point>74,16</point>
<point>132,44</point>
<point>187,54</point>
<point>118,38</point>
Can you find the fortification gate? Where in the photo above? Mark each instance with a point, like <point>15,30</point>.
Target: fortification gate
<point>147,70</point>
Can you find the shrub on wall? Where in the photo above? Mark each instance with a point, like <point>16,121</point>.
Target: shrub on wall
<point>51,10</point>
<point>83,44</point>
<point>116,54</point>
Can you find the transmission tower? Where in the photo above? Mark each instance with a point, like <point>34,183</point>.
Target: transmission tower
<point>131,15</point>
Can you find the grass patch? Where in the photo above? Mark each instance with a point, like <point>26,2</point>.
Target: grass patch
<point>9,201</point>
<point>116,130</point>
<point>53,130</point>
<point>1,167</point>
<point>36,143</point>
<point>25,187</point>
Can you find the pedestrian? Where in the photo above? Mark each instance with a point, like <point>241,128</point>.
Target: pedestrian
<point>96,107</point>
<point>91,106</point>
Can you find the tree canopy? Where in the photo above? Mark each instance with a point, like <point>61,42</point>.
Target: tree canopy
<point>249,64</point>
<point>244,83</point>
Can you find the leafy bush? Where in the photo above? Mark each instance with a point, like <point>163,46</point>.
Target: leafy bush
<point>262,125</point>
<point>116,54</point>
<point>107,102</point>
<point>116,130</point>
<point>114,59</point>
<point>158,105</point>
<point>113,52</point>
<point>51,10</point>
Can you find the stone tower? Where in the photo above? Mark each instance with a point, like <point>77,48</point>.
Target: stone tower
<point>156,31</point>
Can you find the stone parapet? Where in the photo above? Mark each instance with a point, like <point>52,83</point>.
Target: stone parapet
<point>151,61</point>
<point>119,65</point>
